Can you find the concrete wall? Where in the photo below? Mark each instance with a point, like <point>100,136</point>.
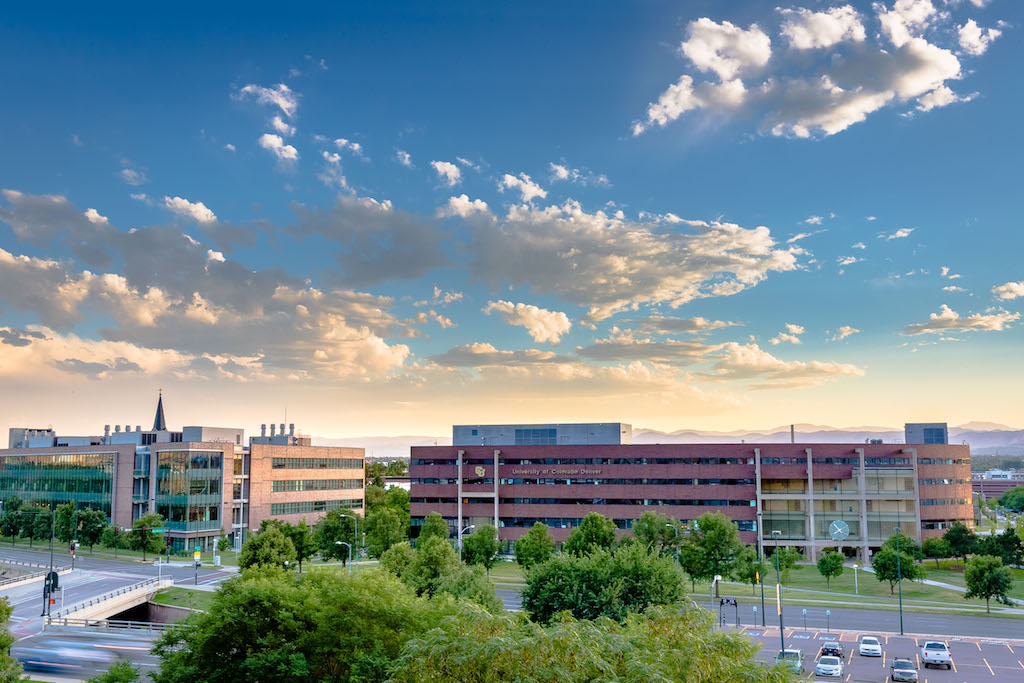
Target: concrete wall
<point>168,614</point>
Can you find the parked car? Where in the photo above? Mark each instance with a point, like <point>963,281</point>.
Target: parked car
<point>903,670</point>
<point>829,666</point>
<point>869,647</point>
<point>935,653</point>
<point>792,659</point>
<point>833,650</point>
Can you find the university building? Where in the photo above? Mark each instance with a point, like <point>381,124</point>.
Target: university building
<point>796,489</point>
<point>205,481</point>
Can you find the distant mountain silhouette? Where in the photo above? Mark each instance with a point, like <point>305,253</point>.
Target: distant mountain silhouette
<point>983,437</point>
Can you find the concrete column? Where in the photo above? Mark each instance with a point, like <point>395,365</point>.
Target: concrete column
<point>917,493</point>
<point>760,504</point>
<point>496,480</point>
<point>812,552</point>
<point>458,474</point>
<point>862,496</point>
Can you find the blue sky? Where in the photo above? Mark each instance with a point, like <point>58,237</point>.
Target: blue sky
<point>818,218</point>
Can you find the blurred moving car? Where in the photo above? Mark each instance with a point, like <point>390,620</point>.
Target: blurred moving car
<point>935,653</point>
<point>829,666</point>
<point>903,670</point>
<point>61,655</point>
<point>869,647</point>
<point>792,659</point>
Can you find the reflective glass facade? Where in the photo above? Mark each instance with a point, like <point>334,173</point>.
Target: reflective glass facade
<point>189,487</point>
<point>86,478</point>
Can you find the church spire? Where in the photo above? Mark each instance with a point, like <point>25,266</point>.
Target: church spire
<point>159,423</point>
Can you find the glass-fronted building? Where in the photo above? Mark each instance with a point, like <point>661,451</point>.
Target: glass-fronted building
<point>56,478</point>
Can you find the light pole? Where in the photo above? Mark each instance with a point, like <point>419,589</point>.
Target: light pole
<point>899,577</point>
<point>461,532</point>
<point>856,588</point>
<point>717,578</point>
<point>349,554</point>
<point>355,536</point>
<point>760,563</point>
<point>778,589</point>
<point>674,528</point>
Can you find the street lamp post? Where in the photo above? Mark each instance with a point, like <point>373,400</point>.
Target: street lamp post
<point>711,597</point>
<point>778,589</point>
<point>349,554</point>
<point>899,577</point>
<point>674,528</point>
<point>461,532</point>
<point>856,588</point>
<point>760,563</point>
<point>355,536</point>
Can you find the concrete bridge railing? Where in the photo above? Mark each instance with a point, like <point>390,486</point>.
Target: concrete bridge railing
<point>114,601</point>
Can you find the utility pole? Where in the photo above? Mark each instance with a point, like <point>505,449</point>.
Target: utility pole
<point>899,577</point>
<point>778,589</point>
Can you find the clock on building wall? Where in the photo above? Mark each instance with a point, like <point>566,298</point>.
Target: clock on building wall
<point>839,530</point>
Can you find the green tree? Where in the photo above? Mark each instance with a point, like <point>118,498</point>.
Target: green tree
<point>434,569</point>
<point>269,547</point>
<point>1013,499</point>
<point>750,568</point>
<point>659,532</point>
<point>663,644</point>
<point>936,548</point>
<point>830,565</point>
<point>397,559</point>
<point>119,672</point>
<point>224,544</point>
<point>302,540</point>
<point>375,473</point>
<point>10,524</point>
<point>535,547</point>
<point>384,528</point>
<point>141,538</point>
<point>691,562</point>
<point>716,539</point>
<point>1006,546</point>
<point>961,540</point>
<point>595,532</point>
<point>470,583</point>
<point>42,525</point>
<point>397,468</point>
<point>887,569</point>
<point>10,668</point>
<point>481,547</point>
<point>333,529</point>
<point>66,522</point>
<point>434,559</point>
<point>987,578</point>
<point>112,537</point>
<point>434,526</point>
<point>268,625</point>
<point>787,559</point>
<point>906,545</point>
<point>92,524</point>
<point>629,579</point>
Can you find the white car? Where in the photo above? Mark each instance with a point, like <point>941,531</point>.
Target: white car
<point>935,653</point>
<point>829,666</point>
<point>869,647</point>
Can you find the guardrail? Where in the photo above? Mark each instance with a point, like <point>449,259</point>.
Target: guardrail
<point>155,582</point>
<point>37,565</point>
<point>108,624</point>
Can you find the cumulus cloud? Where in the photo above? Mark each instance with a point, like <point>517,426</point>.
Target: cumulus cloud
<point>482,354</point>
<point>623,345</point>
<point>447,172</point>
<point>529,189</point>
<point>858,245</point>
<point>354,147</point>
<point>280,96</point>
<point>609,263</point>
<point>197,211</point>
<point>229,147</point>
<point>975,40</point>
<point>847,260</point>
<point>93,216</point>
<point>790,95</point>
<point>750,362</point>
<point>899,234</point>
<point>463,206</point>
<point>12,336</point>
<point>844,332</point>
<point>813,220</point>
<point>953,288</point>
<point>948,274</point>
<point>96,370</point>
<point>276,146</point>
<point>331,174</point>
<point>1010,290</point>
<point>577,175</point>
<point>133,177</point>
<point>443,297</point>
<point>281,127</point>
<point>948,320</point>
<point>808,30</point>
<point>543,325</point>
<point>657,324</point>
<point>403,158</point>
<point>792,335</point>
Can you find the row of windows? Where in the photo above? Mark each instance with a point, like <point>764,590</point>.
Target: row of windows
<point>573,522</point>
<point>591,461</point>
<point>932,482</point>
<point>627,501</point>
<point>836,461</point>
<point>942,461</point>
<point>315,485</point>
<point>627,482</point>
<point>536,437</point>
<point>944,501</point>
<point>196,460</point>
<point>313,506</point>
<point>316,463</point>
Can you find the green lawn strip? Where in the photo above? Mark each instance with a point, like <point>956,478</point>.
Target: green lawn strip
<point>184,597</point>
<point>509,571</point>
<point>953,574</point>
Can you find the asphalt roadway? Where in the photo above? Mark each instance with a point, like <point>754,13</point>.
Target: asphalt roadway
<point>974,659</point>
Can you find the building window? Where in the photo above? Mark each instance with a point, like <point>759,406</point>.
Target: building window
<point>934,435</point>
<point>475,433</point>
<point>315,485</point>
<point>304,507</point>
<point>316,463</point>
<point>536,437</point>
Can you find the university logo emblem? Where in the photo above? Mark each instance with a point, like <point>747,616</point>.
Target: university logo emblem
<point>480,471</point>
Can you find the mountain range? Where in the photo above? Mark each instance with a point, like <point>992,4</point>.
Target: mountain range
<point>985,438</point>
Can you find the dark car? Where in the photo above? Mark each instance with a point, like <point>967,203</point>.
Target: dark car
<point>903,670</point>
<point>833,650</point>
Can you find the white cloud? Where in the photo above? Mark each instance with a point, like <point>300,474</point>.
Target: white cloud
<point>94,216</point>
<point>448,172</point>
<point>940,97</point>
<point>953,288</point>
<point>949,275</point>
<point>847,260</point>
<point>463,206</point>
<point>900,234</point>
<point>1010,290</point>
<point>750,362</point>
<point>844,332</point>
<point>281,127</point>
<point>403,157</point>
<point>807,30</point>
<point>576,175</point>
<point>791,335</point>
<point>212,255</point>
<point>871,218</point>
<point>197,211</point>
<point>974,39</point>
<point>858,245</point>
<point>906,20</point>
<point>275,145</point>
<point>726,49</point>
<point>331,175</point>
<point>229,147</point>
<point>443,297</point>
<point>543,325</point>
<point>354,147</point>
<point>529,189</point>
<point>280,96</point>
<point>813,220</point>
<point>657,324</point>
<point>133,177</point>
<point>947,319</point>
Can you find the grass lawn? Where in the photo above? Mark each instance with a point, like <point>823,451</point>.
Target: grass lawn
<point>184,597</point>
<point>952,573</point>
<point>507,572</point>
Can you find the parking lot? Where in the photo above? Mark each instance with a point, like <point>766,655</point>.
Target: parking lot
<point>973,659</point>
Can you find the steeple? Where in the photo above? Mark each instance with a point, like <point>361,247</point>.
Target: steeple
<point>159,423</point>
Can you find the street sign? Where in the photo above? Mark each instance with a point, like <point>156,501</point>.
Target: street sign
<point>828,613</point>
<point>197,549</point>
<point>197,556</point>
<point>839,530</point>
<point>805,611</point>
<point>159,531</point>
